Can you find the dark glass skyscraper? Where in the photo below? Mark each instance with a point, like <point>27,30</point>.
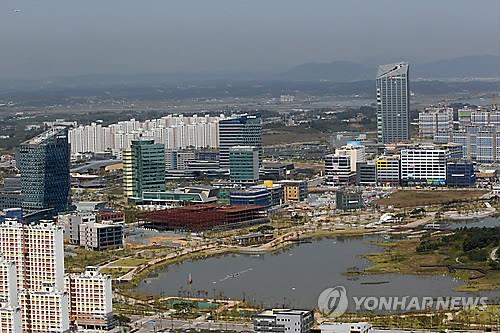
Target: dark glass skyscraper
<point>244,130</point>
<point>44,162</point>
<point>393,103</point>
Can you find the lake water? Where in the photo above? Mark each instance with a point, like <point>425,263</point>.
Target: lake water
<point>487,222</point>
<point>294,277</point>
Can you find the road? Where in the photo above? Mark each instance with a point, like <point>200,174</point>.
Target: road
<point>156,324</point>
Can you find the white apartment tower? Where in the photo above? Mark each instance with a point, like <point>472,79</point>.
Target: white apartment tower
<point>91,303</point>
<point>434,121</point>
<point>34,293</point>
<point>10,312</point>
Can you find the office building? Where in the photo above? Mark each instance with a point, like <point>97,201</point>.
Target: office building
<point>388,170</point>
<point>143,168</point>
<point>244,164</point>
<point>72,222</point>
<point>338,170</point>
<point>44,164</point>
<point>94,312</point>
<point>105,235</point>
<point>243,130</point>
<point>460,173</point>
<point>346,199</point>
<point>434,121</point>
<point>253,196</point>
<point>179,197</point>
<point>294,190</point>
<point>276,171</point>
<point>366,174</point>
<point>424,164</point>
<point>283,321</point>
<point>355,151</point>
<point>393,103</point>
<point>277,192</point>
<point>10,193</point>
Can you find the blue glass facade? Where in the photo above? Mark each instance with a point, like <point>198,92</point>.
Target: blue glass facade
<point>259,197</point>
<point>44,162</point>
<point>460,174</point>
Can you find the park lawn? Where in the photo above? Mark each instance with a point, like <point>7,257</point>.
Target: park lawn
<point>418,198</point>
<point>401,257</point>
<point>115,272</point>
<point>130,262</point>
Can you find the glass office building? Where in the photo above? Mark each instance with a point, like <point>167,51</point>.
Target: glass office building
<point>143,168</point>
<point>393,103</point>
<point>44,162</point>
<point>244,130</point>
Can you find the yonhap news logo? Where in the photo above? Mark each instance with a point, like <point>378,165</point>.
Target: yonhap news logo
<point>334,302</point>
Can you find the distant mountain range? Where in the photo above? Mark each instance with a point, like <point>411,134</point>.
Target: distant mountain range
<point>485,66</point>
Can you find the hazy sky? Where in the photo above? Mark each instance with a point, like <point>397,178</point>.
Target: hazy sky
<point>71,37</point>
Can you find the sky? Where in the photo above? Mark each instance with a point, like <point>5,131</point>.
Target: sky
<point>53,38</point>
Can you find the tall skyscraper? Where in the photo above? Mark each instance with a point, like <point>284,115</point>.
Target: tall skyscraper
<point>143,168</point>
<point>393,103</point>
<point>243,130</point>
<point>45,164</point>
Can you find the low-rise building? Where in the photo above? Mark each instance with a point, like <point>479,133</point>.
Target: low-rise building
<point>366,174</point>
<point>426,164</point>
<point>283,321</point>
<point>251,196</point>
<point>294,190</point>
<point>347,199</point>
<point>388,170</point>
<point>101,236</point>
<point>460,173</point>
<point>178,197</point>
<point>338,170</point>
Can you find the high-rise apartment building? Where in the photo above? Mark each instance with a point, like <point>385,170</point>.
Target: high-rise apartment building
<point>33,286</point>
<point>433,121</point>
<point>173,131</point>
<point>91,304</point>
<point>244,164</point>
<point>44,162</point>
<point>10,312</point>
<point>143,168</point>
<point>37,253</point>
<point>393,103</point>
<point>244,130</point>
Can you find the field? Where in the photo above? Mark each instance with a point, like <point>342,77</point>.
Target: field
<point>418,198</point>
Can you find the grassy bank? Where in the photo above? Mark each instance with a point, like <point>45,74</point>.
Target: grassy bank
<point>419,198</point>
<point>464,255</point>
